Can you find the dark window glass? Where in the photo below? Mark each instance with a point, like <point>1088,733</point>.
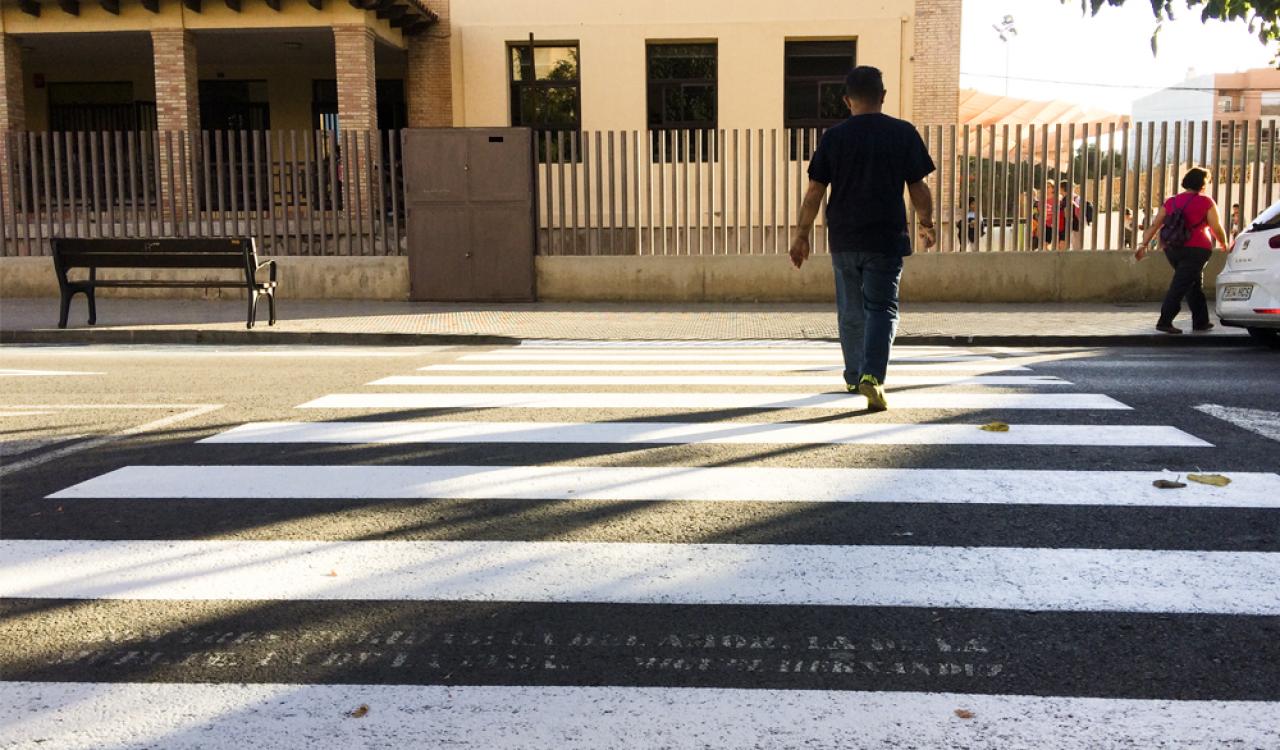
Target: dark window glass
<point>813,90</point>
<point>546,93</point>
<point>814,73</point>
<point>97,106</point>
<point>682,91</point>
<point>234,105</point>
<point>392,112</point>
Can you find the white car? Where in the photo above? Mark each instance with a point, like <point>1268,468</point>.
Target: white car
<point>1249,285</point>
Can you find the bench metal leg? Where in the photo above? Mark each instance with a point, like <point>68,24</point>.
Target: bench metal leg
<point>64,308</point>
<point>253,308</point>
<point>271,306</point>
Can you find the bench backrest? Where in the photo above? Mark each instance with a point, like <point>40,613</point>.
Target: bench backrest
<point>230,252</point>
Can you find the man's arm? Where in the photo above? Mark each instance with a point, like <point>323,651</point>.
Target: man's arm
<point>804,225</point>
<point>922,201</point>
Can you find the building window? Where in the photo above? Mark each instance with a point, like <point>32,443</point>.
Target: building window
<point>814,74</point>
<point>546,91</point>
<point>392,112</point>
<point>234,105</point>
<point>682,96</point>
<point>545,87</point>
<point>98,106</point>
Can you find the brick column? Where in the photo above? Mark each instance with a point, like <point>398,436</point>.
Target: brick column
<point>935,98</point>
<point>935,87</point>
<point>177,108</point>
<point>177,82</point>
<point>357,79</point>
<point>429,78</point>
<point>357,111</point>
<point>13,110</point>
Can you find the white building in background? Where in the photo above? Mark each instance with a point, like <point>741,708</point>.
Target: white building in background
<point>1212,103</point>
<point>1193,99</point>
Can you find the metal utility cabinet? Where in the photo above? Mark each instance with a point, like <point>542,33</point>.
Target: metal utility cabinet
<point>469,194</point>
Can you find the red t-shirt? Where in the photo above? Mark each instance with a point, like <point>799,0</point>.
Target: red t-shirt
<point>1195,208</point>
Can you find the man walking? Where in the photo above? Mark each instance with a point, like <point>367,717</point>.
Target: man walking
<point>867,159</point>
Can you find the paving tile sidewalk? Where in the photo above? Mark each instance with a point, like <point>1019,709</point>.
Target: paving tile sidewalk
<point>349,322</point>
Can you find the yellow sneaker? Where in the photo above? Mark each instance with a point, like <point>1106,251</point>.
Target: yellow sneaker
<point>871,388</point>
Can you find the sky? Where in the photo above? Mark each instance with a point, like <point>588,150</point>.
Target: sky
<point>1103,61</point>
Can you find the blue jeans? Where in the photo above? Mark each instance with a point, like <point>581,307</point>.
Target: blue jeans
<point>867,311</point>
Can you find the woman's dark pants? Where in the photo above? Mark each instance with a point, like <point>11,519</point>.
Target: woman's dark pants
<point>1188,283</point>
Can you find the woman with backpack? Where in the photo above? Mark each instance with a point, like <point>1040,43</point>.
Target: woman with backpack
<point>1188,225</point>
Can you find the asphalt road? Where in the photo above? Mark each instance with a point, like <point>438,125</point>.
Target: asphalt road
<point>867,580</point>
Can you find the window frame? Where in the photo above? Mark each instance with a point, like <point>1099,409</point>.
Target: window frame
<point>515,87</point>
<point>655,88</point>
<point>791,49</point>
<point>665,142</point>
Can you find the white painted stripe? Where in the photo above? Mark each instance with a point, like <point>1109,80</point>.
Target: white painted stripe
<point>12,373</point>
<point>98,442</point>
<point>676,484</point>
<point>674,343</point>
<point>767,356</point>
<point>713,344</point>
<point>683,433</point>
<point>1265,423</point>
<point>685,400</point>
<point>685,380</point>
<point>24,413</point>
<point>72,715</point>
<point>624,573</point>
<point>234,350</point>
<point>510,367</point>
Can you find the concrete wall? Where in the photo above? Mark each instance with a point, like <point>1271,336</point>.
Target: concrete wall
<point>969,277</point>
<point>612,35</point>
<point>370,278</point>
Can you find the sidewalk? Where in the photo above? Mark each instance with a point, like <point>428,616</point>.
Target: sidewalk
<point>356,322</point>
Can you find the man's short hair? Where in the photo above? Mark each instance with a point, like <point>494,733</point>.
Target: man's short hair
<point>864,83</point>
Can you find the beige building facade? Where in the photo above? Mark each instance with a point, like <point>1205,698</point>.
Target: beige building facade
<point>915,43</point>
<point>306,64</point>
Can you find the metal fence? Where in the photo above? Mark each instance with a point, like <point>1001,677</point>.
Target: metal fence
<point>669,192</point>
<point>295,192</point>
<point>712,192</point>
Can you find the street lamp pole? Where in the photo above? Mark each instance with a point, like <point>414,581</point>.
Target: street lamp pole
<point>1006,30</point>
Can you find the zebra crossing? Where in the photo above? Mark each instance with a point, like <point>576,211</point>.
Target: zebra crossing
<point>661,544</point>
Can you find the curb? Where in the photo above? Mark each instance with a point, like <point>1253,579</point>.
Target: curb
<point>269,338</point>
<point>1108,340</point>
<point>264,338</point>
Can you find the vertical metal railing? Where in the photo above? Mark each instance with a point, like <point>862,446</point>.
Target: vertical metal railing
<point>295,192</point>
<point>738,191</point>
<point>688,192</point>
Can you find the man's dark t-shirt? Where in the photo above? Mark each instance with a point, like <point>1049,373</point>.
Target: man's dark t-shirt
<point>868,160</point>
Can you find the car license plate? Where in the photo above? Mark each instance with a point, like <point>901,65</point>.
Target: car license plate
<point>1237,292</point>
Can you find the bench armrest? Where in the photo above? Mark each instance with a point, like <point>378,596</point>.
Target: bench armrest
<point>270,265</point>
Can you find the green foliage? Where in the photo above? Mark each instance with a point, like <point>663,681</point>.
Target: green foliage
<point>1262,16</point>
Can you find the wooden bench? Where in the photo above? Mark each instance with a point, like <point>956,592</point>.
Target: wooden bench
<point>232,254</point>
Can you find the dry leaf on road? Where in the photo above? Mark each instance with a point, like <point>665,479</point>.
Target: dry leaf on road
<point>1217,480</point>
<point>332,574</point>
<point>964,713</point>
<point>1168,484</point>
<point>995,427</point>
<point>360,712</point>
